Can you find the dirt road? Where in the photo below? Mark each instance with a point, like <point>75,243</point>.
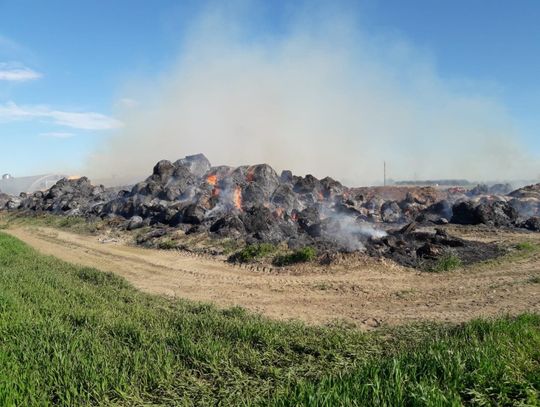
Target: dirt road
<point>368,295</point>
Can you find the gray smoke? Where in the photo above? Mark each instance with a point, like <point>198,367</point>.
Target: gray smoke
<point>348,231</point>
<point>324,98</point>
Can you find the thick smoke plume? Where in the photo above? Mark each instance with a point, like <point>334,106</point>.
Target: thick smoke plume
<point>322,97</point>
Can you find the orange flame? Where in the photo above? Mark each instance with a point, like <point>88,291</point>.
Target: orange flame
<point>212,179</point>
<point>237,198</point>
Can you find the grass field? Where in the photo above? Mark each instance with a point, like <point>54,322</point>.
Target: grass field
<point>76,336</point>
<point>76,224</point>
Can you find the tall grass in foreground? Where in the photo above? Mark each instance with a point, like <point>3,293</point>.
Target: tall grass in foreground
<point>76,336</point>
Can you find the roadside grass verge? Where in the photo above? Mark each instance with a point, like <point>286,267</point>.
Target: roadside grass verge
<point>76,224</point>
<point>527,247</point>
<point>252,252</point>
<point>447,262</point>
<point>480,363</point>
<point>74,336</point>
<point>302,255</point>
<point>198,243</point>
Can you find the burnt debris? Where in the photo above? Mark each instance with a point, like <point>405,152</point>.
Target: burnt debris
<point>255,204</point>
<point>425,248</point>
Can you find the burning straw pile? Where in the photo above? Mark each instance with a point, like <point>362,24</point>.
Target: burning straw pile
<point>254,204</point>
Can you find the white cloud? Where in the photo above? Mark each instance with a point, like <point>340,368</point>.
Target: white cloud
<point>14,72</point>
<point>77,120</point>
<point>85,121</point>
<point>57,134</point>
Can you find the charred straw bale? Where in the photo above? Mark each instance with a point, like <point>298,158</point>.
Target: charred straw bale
<point>252,203</point>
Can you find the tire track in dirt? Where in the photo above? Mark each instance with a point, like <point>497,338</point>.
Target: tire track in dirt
<point>365,292</point>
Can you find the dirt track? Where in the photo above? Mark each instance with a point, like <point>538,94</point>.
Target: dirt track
<point>366,295</point>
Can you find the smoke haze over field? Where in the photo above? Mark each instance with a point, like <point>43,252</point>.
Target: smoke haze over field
<point>324,97</point>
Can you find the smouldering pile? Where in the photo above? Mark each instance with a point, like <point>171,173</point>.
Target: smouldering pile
<point>255,204</point>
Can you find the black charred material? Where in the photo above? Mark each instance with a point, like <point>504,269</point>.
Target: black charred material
<point>253,204</point>
<point>423,249</point>
<point>438,213</point>
<point>492,213</point>
<point>533,224</point>
<point>72,197</point>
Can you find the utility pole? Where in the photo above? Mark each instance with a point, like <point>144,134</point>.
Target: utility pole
<point>384,170</point>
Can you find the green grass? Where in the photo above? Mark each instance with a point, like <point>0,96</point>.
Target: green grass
<point>227,245</point>
<point>447,262</point>
<point>478,364</point>
<point>527,247</point>
<point>252,252</point>
<point>76,336</point>
<point>302,255</point>
<point>77,224</point>
<point>167,244</point>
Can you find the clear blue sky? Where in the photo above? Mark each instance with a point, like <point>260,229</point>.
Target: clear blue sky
<point>63,63</point>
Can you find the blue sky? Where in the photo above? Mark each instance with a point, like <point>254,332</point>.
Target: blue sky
<point>65,65</point>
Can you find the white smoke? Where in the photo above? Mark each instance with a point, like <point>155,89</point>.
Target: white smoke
<point>347,231</point>
<point>323,98</point>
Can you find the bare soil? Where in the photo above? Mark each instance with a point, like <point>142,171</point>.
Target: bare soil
<point>364,292</point>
